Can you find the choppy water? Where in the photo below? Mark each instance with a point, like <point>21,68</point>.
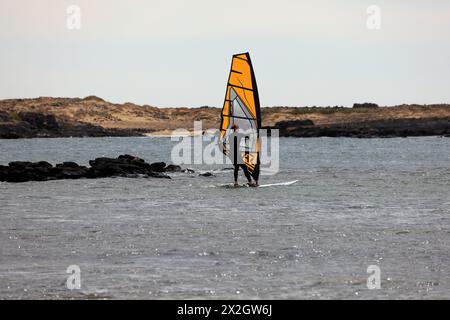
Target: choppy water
<point>383,202</point>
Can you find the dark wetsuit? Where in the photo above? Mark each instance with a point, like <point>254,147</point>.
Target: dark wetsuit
<point>237,161</point>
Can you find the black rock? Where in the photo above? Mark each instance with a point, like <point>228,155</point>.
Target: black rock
<point>375,128</point>
<point>294,123</point>
<point>157,166</point>
<point>16,175</point>
<point>69,172</point>
<point>4,171</point>
<point>173,168</point>
<point>40,121</point>
<point>113,169</point>
<point>68,164</point>
<point>158,175</point>
<point>124,165</point>
<point>21,173</point>
<point>128,157</point>
<point>102,161</point>
<point>206,174</point>
<point>20,164</point>
<point>5,117</point>
<point>42,164</point>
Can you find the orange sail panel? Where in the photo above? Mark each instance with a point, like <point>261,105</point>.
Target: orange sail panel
<point>241,108</point>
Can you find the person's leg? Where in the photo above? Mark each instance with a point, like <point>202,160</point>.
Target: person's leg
<point>236,173</point>
<point>255,173</point>
<point>247,174</point>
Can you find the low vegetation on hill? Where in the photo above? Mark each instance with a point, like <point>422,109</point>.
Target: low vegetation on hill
<point>93,116</point>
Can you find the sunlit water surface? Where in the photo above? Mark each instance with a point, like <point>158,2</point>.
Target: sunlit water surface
<point>358,202</point>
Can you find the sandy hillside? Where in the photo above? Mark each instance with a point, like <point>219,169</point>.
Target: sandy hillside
<point>95,111</point>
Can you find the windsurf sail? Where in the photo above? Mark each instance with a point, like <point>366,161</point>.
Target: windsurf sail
<point>241,107</point>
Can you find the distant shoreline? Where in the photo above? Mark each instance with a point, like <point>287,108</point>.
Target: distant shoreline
<point>48,117</point>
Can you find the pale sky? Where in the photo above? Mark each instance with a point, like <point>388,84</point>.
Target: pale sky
<point>177,53</point>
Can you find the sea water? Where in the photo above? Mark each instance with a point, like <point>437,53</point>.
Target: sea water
<point>358,203</point>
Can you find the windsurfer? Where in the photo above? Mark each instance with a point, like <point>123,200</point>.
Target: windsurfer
<point>235,147</point>
<point>241,108</point>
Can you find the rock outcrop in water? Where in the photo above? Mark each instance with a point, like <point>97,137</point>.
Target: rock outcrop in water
<point>123,166</point>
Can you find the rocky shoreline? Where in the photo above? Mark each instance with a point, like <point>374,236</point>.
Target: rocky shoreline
<point>94,117</point>
<point>122,166</point>
<point>35,125</point>
<point>388,128</point>
<point>40,125</point>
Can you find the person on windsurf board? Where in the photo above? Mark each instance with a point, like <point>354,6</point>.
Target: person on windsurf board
<point>241,119</point>
<point>235,142</point>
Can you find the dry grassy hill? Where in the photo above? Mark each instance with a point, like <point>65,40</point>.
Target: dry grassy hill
<point>93,116</point>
